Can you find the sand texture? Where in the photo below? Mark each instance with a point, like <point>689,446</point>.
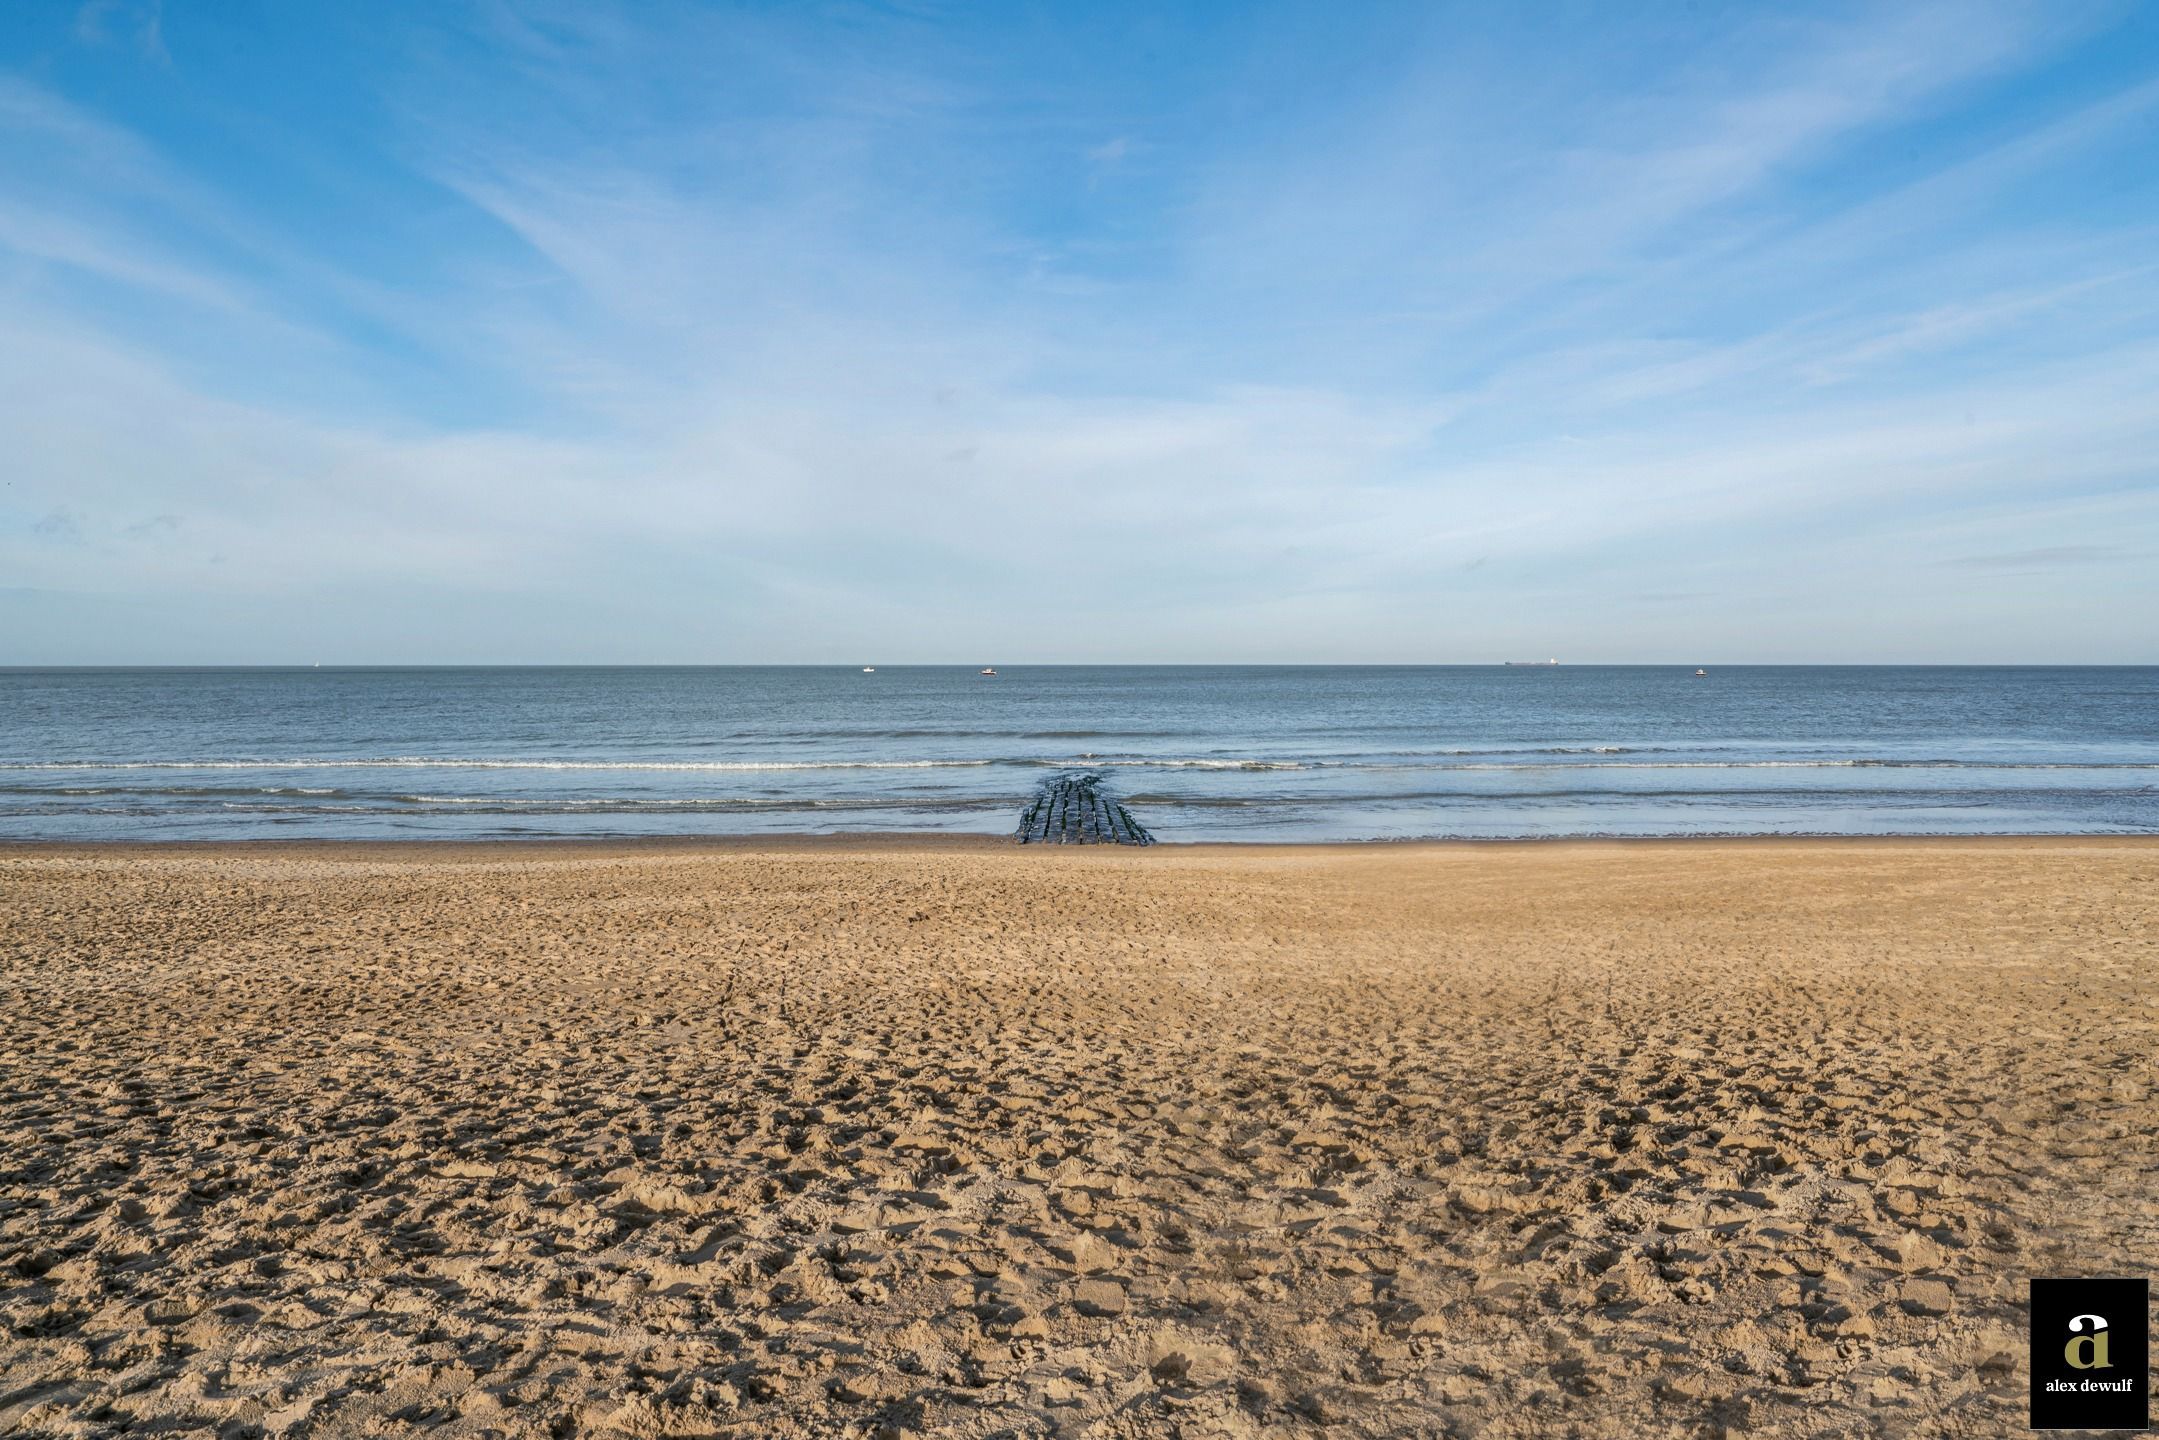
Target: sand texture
<point>1685,1139</point>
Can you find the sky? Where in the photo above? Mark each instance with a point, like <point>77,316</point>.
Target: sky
<point>1009,333</point>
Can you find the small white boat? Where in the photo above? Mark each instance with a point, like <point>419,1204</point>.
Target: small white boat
<point>987,670</point>
<point>1701,674</point>
<point>869,669</point>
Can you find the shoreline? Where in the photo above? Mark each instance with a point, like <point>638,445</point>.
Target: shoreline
<point>931,841</point>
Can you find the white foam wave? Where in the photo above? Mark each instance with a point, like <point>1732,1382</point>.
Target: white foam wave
<point>1144,763</point>
<point>1082,762</point>
<point>429,763</point>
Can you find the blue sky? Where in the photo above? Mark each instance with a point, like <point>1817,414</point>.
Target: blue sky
<point>860,333</point>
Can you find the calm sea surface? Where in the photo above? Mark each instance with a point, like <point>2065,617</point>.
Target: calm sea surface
<point>1199,753</point>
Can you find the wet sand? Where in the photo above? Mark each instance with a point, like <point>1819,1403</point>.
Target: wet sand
<point>900,1138</point>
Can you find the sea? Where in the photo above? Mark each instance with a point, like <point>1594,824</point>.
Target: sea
<point>1196,753</point>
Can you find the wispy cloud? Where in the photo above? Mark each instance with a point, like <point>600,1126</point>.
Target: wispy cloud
<point>700,334</point>
<point>58,525</point>
<point>139,22</point>
<point>2041,557</point>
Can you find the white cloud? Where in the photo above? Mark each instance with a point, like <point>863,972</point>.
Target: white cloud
<point>779,383</point>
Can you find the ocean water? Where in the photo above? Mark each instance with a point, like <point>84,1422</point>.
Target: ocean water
<point>1197,753</point>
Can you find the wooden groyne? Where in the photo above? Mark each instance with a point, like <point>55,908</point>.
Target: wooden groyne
<point>1072,810</point>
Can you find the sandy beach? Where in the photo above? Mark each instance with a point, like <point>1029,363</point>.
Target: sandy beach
<point>908,1139</point>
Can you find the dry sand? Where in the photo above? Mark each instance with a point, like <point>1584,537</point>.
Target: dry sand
<point>1531,1140</point>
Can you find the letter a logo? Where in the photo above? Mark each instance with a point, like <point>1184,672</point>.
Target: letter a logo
<point>2087,1351</point>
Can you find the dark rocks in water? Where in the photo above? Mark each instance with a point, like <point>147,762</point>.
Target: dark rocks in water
<point>1072,810</point>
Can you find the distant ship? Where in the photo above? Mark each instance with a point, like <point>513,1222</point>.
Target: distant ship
<point>987,670</point>
<point>1539,663</point>
<point>1701,674</point>
<point>869,669</point>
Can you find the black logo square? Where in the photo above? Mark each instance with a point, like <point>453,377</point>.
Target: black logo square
<point>2091,1354</point>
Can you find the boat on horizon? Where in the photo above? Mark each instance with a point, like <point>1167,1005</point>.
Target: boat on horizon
<point>1701,674</point>
<point>869,669</point>
<point>987,670</point>
<point>1540,664</point>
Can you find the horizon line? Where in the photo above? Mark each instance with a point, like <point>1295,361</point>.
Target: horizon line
<point>1093,665</point>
